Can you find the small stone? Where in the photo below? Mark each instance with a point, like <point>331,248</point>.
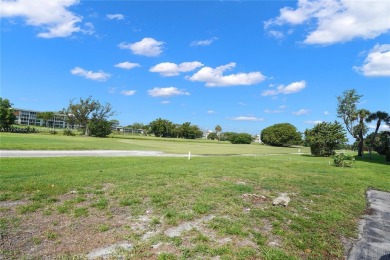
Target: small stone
<point>283,199</point>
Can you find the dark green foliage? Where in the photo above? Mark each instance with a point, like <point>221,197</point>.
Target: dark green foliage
<point>241,138</point>
<point>68,132</point>
<point>281,135</point>
<point>325,138</point>
<point>7,117</point>
<point>165,128</point>
<point>99,127</point>
<point>343,160</point>
<point>212,136</point>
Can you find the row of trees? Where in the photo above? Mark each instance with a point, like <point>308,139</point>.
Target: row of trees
<point>165,128</point>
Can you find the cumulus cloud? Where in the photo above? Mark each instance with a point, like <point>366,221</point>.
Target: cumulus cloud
<point>247,118</point>
<point>213,77</point>
<point>128,92</point>
<point>336,20</point>
<point>127,65</point>
<point>377,63</point>
<point>115,16</point>
<point>204,42</point>
<point>146,47</point>
<point>289,89</point>
<point>211,112</point>
<point>52,17</point>
<point>166,92</point>
<point>169,69</point>
<point>98,76</point>
<point>301,112</point>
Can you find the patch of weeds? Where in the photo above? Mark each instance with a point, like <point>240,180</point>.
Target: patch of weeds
<point>219,251</point>
<point>103,227</point>
<point>202,208</point>
<point>242,188</point>
<point>51,235</point>
<point>101,204</point>
<point>5,196</point>
<point>79,199</point>
<point>227,227</point>
<point>274,253</point>
<point>155,221</point>
<point>246,253</point>
<point>37,240</point>
<point>177,241</point>
<point>30,208</point>
<point>55,223</point>
<point>167,256</point>
<point>39,196</point>
<point>259,239</point>
<point>52,200</point>
<point>200,238</point>
<point>129,202</point>
<point>98,192</point>
<point>65,208</point>
<point>81,212</point>
<point>160,200</point>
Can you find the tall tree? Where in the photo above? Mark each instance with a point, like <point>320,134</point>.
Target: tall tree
<point>86,109</point>
<point>348,112</point>
<point>45,116</point>
<point>218,130</point>
<point>7,116</point>
<point>361,129</point>
<point>284,134</point>
<point>379,116</point>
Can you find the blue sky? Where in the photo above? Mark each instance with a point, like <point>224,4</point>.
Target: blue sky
<point>244,65</point>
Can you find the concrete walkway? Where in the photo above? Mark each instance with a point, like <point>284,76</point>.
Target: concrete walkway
<point>374,239</point>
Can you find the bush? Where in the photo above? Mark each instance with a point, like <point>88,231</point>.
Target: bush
<point>343,160</point>
<point>281,135</point>
<point>212,136</point>
<point>68,132</point>
<point>241,138</point>
<point>99,127</point>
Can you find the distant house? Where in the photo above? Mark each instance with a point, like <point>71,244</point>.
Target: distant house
<point>129,130</point>
<point>29,118</point>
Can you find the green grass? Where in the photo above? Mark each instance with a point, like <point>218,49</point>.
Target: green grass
<point>11,141</point>
<point>326,201</point>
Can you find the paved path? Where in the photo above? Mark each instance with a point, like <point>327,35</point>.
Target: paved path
<point>374,241</point>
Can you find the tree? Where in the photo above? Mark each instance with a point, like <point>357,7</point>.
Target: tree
<point>325,138</point>
<point>241,138</point>
<point>7,116</point>
<point>361,129</point>
<point>87,109</point>
<point>379,116</point>
<point>99,127</point>
<point>45,116</point>
<point>162,128</point>
<point>212,136</point>
<point>218,130</point>
<point>348,112</point>
<point>283,134</point>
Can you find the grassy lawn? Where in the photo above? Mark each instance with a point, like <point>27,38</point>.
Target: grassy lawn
<point>172,208</point>
<point>12,141</point>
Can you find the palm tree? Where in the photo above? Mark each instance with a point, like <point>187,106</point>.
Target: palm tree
<point>361,129</point>
<point>218,130</point>
<point>379,116</point>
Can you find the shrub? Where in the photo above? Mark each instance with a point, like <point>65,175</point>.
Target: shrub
<point>241,138</point>
<point>343,160</point>
<point>281,135</point>
<point>68,132</point>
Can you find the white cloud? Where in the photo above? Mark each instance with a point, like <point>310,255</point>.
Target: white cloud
<point>168,69</point>
<point>115,16</point>
<point>377,63</point>
<point>337,20</point>
<point>127,65</point>
<point>211,112</point>
<point>289,89</point>
<point>52,17</point>
<point>128,92</point>
<point>204,42</point>
<point>315,122</point>
<point>146,47</point>
<point>165,102</point>
<point>166,92</point>
<point>301,112</point>
<point>326,113</point>
<point>247,118</point>
<point>99,76</point>
<point>215,78</point>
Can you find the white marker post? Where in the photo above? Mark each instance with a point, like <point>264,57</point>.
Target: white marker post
<point>189,155</point>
